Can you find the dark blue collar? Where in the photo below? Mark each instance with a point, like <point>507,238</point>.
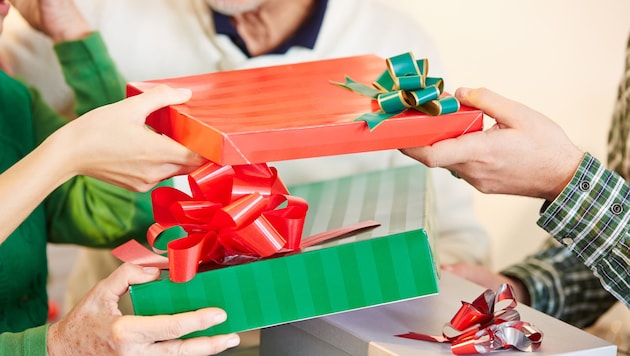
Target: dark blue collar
<point>305,36</point>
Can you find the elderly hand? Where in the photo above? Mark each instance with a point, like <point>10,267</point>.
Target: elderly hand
<point>524,153</point>
<point>96,327</point>
<point>488,279</point>
<point>59,19</point>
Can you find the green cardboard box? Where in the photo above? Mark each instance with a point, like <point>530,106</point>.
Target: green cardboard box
<point>389,263</point>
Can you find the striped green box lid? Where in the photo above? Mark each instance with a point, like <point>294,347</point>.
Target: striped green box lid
<point>386,264</point>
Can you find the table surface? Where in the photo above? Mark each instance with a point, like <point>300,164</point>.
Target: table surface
<point>370,331</point>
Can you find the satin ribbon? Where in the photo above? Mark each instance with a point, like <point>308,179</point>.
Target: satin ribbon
<point>236,214</point>
<point>487,324</point>
<point>403,85</point>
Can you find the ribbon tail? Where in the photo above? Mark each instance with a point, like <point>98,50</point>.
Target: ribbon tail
<point>423,337</point>
<point>134,252</point>
<point>373,119</point>
<point>358,88</point>
<point>331,234</point>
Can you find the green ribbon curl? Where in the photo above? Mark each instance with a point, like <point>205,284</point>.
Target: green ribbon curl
<point>403,85</point>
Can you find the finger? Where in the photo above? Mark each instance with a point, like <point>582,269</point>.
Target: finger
<point>445,153</point>
<point>176,153</point>
<point>168,327</point>
<point>156,98</point>
<point>127,274</point>
<point>196,346</point>
<point>507,113</point>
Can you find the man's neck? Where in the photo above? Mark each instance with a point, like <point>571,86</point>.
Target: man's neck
<point>271,24</point>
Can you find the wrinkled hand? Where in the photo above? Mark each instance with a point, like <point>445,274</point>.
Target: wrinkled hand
<point>113,144</point>
<point>59,19</point>
<point>523,153</point>
<point>488,279</point>
<point>96,327</point>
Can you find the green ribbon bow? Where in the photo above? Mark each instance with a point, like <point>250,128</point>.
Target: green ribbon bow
<point>403,85</point>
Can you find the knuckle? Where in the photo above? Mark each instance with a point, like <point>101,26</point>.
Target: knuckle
<point>173,329</point>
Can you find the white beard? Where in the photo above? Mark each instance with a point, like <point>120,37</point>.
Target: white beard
<point>234,7</point>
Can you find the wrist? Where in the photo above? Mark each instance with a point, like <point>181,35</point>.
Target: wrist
<point>565,174</point>
<point>60,162</point>
<point>52,341</point>
<point>77,30</point>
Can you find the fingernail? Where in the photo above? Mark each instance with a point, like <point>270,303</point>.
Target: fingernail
<point>150,270</point>
<point>184,91</point>
<point>461,92</point>
<point>220,317</point>
<point>234,340</point>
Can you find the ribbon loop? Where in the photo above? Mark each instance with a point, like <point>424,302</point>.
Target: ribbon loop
<point>236,214</point>
<point>403,85</point>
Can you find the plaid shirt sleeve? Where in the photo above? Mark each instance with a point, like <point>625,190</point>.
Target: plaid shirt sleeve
<point>560,285</point>
<point>590,219</point>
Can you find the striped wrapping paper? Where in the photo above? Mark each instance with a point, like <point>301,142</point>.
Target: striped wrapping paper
<point>388,263</point>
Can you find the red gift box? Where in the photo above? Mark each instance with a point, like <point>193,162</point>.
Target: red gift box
<point>293,111</point>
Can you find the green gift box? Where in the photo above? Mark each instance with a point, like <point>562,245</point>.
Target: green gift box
<point>385,264</point>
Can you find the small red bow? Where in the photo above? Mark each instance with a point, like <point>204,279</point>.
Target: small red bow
<point>477,328</point>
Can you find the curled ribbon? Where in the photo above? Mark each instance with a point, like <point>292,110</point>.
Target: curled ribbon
<point>403,85</point>
<point>477,328</point>
<point>236,214</point>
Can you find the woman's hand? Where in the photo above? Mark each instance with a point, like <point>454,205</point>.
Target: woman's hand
<point>113,144</point>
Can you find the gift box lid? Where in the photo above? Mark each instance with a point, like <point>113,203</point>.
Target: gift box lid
<point>293,111</point>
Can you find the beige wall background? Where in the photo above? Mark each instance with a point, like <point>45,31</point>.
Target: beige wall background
<point>561,57</point>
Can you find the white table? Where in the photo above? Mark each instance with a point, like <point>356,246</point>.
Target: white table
<point>370,331</point>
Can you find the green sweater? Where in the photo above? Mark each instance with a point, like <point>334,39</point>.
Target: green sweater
<point>82,211</point>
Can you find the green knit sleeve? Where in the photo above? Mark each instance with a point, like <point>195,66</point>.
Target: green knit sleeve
<point>90,72</point>
<point>31,342</point>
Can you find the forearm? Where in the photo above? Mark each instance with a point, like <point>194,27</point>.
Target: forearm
<point>591,217</point>
<point>24,185</point>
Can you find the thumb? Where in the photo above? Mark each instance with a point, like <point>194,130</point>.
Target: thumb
<point>507,113</point>
<point>156,98</point>
<point>127,274</point>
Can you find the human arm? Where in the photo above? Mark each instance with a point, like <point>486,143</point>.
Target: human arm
<point>514,157</point>
<point>85,210</point>
<point>120,150</point>
<point>96,326</point>
<point>591,217</point>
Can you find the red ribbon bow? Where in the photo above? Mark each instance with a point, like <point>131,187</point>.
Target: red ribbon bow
<point>236,214</point>
<point>477,328</point>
